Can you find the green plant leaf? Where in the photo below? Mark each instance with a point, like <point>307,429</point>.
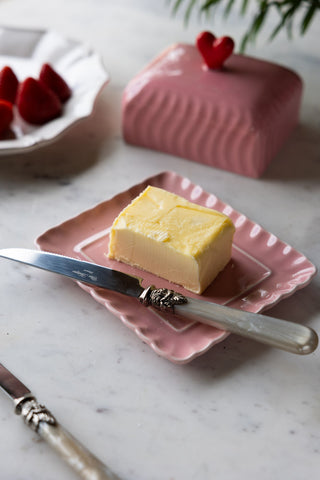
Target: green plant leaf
<point>244,7</point>
<point>210,3</point>
<point>308,17</point>
<point>259,21</point>
<point>288,11</point>
<point>189,10</point>
<point>176,6</point>
<point>228,8</point>
<point>285,18</point>
<point>244,42</point>
<point>290,28</point>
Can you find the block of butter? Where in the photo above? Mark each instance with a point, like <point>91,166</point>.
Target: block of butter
<point>167,235</point>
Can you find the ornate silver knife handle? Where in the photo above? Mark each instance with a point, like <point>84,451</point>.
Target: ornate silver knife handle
<point>83,462</point>
<point>289,336</point>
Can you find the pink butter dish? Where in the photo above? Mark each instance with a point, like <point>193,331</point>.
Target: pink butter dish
<point>235,118</point>
<point>263,270</point>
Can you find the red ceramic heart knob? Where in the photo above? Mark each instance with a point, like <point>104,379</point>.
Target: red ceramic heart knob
<point>214,51</point>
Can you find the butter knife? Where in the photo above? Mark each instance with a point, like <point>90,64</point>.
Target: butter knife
<point>286,335</point>
<point>41,420</point>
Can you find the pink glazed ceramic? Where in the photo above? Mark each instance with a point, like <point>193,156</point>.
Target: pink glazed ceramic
<point>263,270</point>
<point>235,118</point>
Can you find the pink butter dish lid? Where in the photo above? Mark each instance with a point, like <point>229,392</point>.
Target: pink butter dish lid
<point>248,84</point>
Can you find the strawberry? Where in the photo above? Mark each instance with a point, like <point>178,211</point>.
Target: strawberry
<point>8,84</point>
<point>36,103</point>
<point>6,115</point>
<point>55,82</point>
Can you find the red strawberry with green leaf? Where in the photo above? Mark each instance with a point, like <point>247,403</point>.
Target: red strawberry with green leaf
<point>55,82</point>
<point>36,103</point>
<point>6,115</point>
<point>8,84</point>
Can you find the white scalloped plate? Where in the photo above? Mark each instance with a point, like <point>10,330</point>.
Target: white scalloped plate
<point>25,51</point>
<point>263,270</point>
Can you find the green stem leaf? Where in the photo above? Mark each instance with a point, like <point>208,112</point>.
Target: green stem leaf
<point>189,10</point>
<point>228,8</point>
<point>244,6</point>
<point>176,6</point>
<point>308,17</point>
<point>287,10</point>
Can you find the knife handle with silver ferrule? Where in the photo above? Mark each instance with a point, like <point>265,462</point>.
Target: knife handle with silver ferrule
<point>81,460</point>
<point>41,420</point>
<point>288,336</point>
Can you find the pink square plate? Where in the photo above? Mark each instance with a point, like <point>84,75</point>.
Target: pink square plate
<point>263,270</point>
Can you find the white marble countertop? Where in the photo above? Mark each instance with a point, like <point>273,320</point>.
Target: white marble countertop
<point>242,410</point>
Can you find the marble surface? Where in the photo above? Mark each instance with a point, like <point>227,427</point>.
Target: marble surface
<point>240,411</point>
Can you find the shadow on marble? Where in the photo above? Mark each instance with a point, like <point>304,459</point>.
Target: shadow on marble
<point>302,307</point>
<point>299,159</point>
<point>76,150</point>
<point>226,357</point>
<point>235,351</point>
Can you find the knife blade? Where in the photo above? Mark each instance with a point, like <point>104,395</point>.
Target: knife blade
<point>41,420</point>
<point>283,334</point>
